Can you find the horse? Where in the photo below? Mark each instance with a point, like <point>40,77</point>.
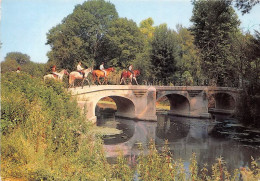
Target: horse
<point>99,73</point>
<point>58,77</point>
<point>76,75</point>
<point>128,74</point>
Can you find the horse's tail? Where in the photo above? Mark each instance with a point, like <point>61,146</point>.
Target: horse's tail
<point>121,75</point>
<point>93,73</point>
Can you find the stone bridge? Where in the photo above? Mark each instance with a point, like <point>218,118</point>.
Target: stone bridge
<point>139,101</point>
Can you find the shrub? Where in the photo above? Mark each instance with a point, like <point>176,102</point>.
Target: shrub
<point>44,135</point>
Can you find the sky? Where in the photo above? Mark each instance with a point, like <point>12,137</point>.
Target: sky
<point>24,23</point>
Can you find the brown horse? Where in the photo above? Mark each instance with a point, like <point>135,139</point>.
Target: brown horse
<point>99,73</point>
<point>128,74</point>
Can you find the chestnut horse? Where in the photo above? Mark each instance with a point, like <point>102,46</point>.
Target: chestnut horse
<point>99,73</point>
<point>58,77</point>
<point>76,75</point>
<point>128,74</point>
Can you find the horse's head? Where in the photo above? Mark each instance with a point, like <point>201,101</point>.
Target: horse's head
<point>66,72</point>
<point>111,69</point>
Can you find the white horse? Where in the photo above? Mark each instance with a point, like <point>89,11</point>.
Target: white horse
<point>76,75</point>
<point>59,76</point>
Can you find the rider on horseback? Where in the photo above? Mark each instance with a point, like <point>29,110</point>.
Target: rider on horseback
<point>80,69</point>
<point>131,70</point>
<point>101,67</point>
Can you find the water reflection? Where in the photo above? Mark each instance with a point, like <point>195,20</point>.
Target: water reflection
<point>209,139</point>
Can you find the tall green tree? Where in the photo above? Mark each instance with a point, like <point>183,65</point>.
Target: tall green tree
<point>213,24</point>
<point>13,60</point>
<point>142,61</point>
<point>80,35</point>
<point>246,50</point>
<point>164,53</point>
<point>123,41</point>
<point>190,61</point>
<point>147,28</point>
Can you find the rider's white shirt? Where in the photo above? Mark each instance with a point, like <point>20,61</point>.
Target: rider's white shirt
<point>101,67</point>
<point>130,67</point>
<point>79,68</point>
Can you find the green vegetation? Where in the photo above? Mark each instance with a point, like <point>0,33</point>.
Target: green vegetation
<point>80,36</point>
<point>43,134</point>
<point>13,60</point>
<point>44,137</point>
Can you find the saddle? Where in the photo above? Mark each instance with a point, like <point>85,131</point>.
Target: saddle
<point>133,75</point>
<point>81,73</point>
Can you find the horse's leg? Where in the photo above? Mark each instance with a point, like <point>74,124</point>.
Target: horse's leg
<point>135,80</point>
<point>98,80</point>
<point>121,81</point>
<point>73,83</point>
<point>104,81</point>
<point>94,79</point>
<point>70,81</point>
<point>82,83</point>
<point>88,82</point>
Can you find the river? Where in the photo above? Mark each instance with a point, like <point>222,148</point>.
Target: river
<point>208,138</point>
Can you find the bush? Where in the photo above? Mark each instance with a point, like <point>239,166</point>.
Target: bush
<point>43,134</point>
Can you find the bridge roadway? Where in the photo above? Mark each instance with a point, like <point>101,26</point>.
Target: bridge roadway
<point>139,101</point>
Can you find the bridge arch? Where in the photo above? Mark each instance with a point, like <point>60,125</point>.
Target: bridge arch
<point>125,106</point>
<point>178,102</point>
<point>224,100</point>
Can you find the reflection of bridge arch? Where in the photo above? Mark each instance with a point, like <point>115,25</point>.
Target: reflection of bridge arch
<point>167,129</point>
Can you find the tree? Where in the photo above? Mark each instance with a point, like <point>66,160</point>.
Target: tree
<point>13,60</point>
<point>246,5</point>
<point>142,61</point>
<point>123,41</point>
<point>81,34</point>
<point>9,65</point>
<point>246,49</point>
<point>164,53</point>
<point>147,28</point>
<point>190,61</point>
<point>20,58</point>
<point>213,24</point>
